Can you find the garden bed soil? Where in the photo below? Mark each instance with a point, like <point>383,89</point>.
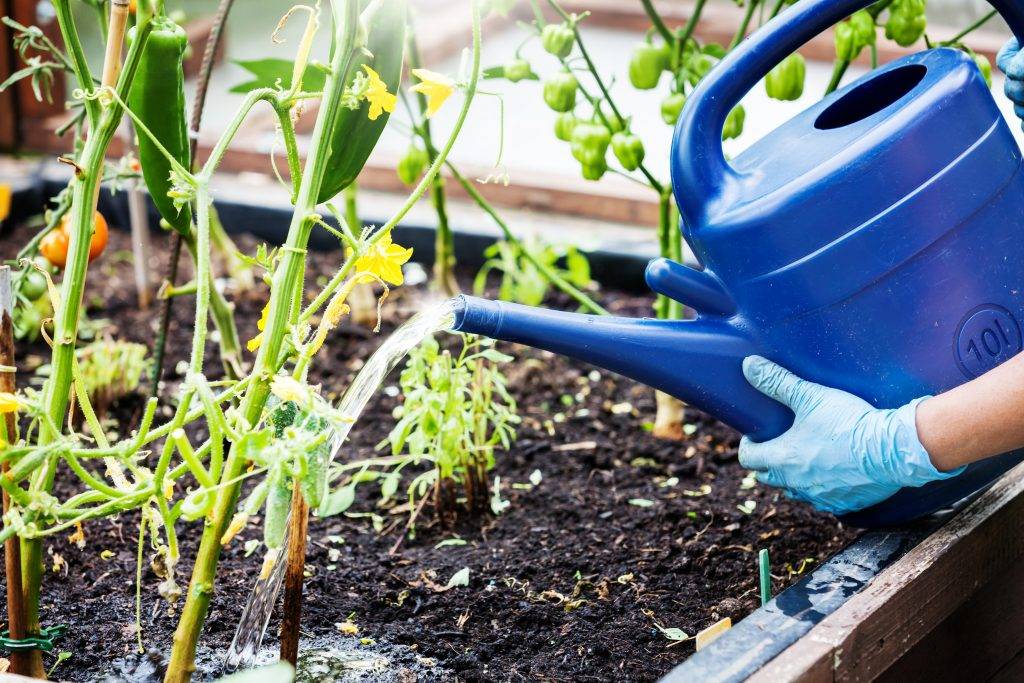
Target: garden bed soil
<point>623,533</point>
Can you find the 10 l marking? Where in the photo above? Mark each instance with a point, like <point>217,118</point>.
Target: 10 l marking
<point>987,337</point>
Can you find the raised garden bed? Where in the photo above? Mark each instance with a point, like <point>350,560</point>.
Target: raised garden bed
<point>559,583</point>
<point>851,612</point>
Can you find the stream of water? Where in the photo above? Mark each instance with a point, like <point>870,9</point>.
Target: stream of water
<point>256,615</point>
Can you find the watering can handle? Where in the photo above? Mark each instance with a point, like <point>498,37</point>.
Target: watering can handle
<point>701,172</point>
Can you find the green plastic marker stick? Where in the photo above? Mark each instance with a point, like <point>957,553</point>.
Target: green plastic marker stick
<point>765,570</point>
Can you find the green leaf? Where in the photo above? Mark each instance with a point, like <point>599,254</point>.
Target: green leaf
<point>641,502</point>
<point>390,485</point>
<point>448,542</point>
<point>459,578</point>
<point>277,73</point>
<point>337,501</point>
<point>675,634</point>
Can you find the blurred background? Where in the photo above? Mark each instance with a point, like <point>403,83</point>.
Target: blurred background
<point>542,175</point>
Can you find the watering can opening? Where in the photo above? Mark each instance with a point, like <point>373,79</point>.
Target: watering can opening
<point>872,96</point>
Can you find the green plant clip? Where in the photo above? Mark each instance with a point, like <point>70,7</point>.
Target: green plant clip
<point>44,641</point>
<point>765,570</point>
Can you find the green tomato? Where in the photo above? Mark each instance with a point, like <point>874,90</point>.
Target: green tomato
<point>412,165</point>
<point>590,142</point>
<point>907,22</point>
<point>33,285</point>
<point>629,150</point>
<point>595,172</point>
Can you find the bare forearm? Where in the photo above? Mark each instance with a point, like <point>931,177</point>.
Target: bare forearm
<point>977,420</point>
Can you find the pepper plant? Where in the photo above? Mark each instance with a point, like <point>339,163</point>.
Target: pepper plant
<point>245,438</point>
<point>455,414</point>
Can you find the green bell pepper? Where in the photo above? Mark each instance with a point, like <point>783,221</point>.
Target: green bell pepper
<point>629,150</point>
<point>590,142</point>
<point>907,22</point>
<point>558,39</point>
<point>560,91</point>
<point>786,81</point>
<point>672,107</point>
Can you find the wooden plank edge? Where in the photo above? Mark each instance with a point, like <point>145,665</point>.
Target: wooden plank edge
<point>884,621</point>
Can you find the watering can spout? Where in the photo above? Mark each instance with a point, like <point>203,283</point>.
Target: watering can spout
<point>699,362</point>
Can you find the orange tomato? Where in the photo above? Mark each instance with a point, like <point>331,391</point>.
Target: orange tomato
<point>100,237</point>
<point>55,245</point>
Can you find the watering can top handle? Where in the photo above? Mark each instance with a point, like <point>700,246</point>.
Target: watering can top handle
<point>702,162</point>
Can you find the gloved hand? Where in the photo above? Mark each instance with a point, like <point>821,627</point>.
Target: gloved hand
<point>841,454</point>
<point>1011,63</point>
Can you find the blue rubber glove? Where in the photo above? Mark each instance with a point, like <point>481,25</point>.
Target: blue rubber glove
<point>841,454</point>
<point>1011,63</point>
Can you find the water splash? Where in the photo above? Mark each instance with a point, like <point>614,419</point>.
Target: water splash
<point>256,616</point>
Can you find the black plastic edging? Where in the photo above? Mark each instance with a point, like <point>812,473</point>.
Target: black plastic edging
<point>615,269</point>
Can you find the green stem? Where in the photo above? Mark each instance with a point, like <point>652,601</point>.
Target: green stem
<point>670,243</point>
<point>553,277</point>
<point>223,318</point>
<point>85,193</point>
<point>972,28</point>
<point>76,53</point>
<point>352,220</point>
<point>286,279</point>
<point>838,71</point>
<point>444,241</point>
<point>741,32</point>
<point>658,22</point>
<point>691,25</point>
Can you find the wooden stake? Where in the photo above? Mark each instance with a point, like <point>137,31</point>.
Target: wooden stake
<point>115,42</point>
<point>21,662</point>
<point>138,215</point>
<point>294,578</point>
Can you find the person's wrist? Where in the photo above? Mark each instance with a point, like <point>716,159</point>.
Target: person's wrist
<point>913,464</point>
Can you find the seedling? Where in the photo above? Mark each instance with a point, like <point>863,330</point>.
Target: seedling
<point>457,412</point>
<point>523,270</point>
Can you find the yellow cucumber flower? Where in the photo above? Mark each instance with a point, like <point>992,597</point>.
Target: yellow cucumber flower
<point>384,259</point>
<point>289,389</point>
<point>238,523</point>
<point>377,95</point>
<point>254,344</point>
<point>436,87</point>
<point>5,201</point>
<point>9,403</point>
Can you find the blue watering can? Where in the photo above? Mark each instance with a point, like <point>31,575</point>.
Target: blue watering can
<point>874,243</point>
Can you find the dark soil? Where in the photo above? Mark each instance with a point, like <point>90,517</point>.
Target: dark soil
<point>623,533</point>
